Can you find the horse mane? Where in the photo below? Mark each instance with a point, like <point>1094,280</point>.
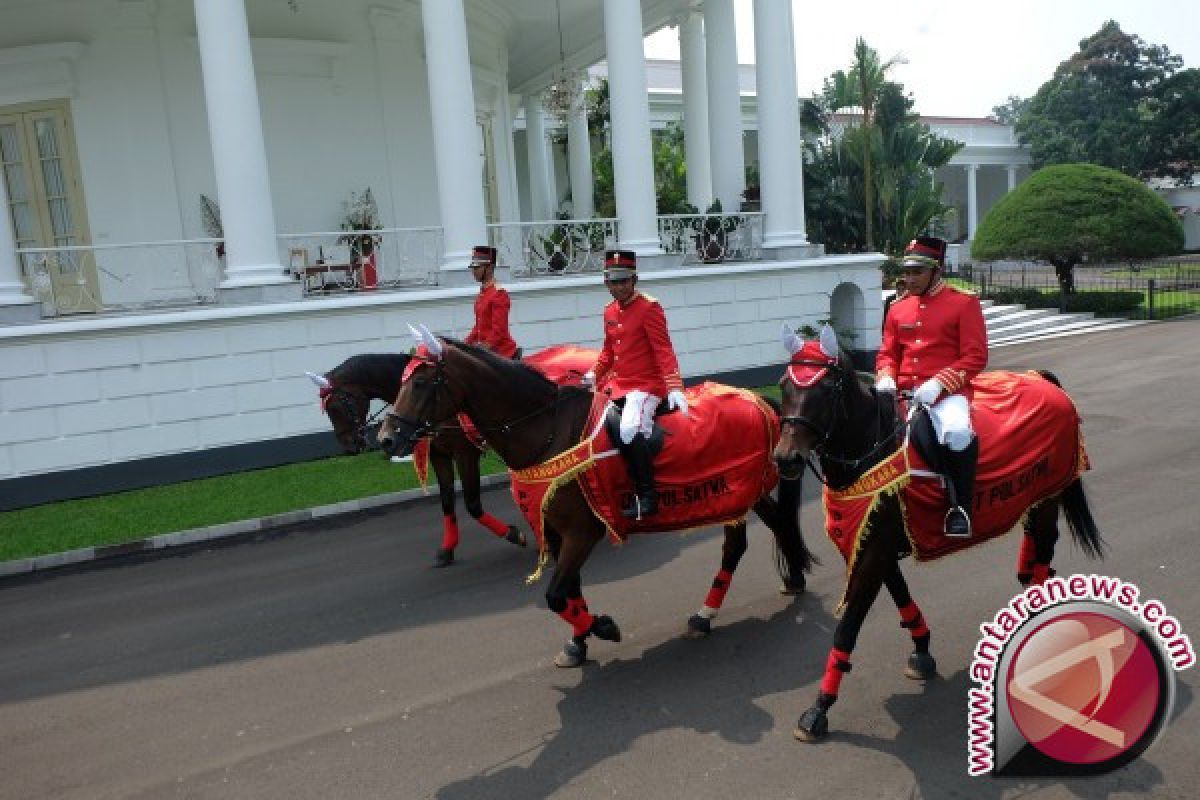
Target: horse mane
<point>516,374</point>
<point>381,371</point>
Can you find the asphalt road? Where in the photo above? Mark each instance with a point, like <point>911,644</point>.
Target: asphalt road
<point>333,662</point>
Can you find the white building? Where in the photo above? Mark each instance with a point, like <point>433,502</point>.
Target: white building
<point>131,353</point>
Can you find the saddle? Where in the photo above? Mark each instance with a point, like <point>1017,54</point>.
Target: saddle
<point>612,426</point>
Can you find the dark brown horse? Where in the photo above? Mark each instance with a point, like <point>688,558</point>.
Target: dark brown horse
<point>851,428</point>
<point>528,420</point>
<point>346,394</point>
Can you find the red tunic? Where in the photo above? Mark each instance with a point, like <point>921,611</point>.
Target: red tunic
<point>939,334</point>
<point>637,352</point>
<point>491,322</point>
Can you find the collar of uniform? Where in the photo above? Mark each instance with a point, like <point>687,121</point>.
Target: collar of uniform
<point>935,290</point>
<point>483,287</point>
<point>633,298</point>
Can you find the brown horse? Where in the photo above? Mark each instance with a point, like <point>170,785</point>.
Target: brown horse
<point>831,413</point>
<point>346,394</point>
<point>529,420</point>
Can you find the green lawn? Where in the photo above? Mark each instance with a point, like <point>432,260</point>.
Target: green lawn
<point>127,516</point>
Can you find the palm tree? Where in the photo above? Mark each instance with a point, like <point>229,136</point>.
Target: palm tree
<point>861,88</point>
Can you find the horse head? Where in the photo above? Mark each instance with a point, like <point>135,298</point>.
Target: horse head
<point>813,387</point>
<point>424,401</point>
<point>347,412</point>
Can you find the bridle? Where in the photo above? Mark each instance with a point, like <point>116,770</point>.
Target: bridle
<point>342,398</point>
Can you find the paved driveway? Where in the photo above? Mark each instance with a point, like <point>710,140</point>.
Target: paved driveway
<point>332,662</point>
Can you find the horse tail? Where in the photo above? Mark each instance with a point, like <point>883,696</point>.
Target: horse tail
<point>1079,520</point>
<point>1050,376</point>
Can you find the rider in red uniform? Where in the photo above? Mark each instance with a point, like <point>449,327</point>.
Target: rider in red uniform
<point>934,343</point>
<point>491,306</point>
<point>637,367</point>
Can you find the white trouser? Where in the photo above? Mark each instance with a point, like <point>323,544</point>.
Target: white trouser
<point>951,417</point>
<point>638,415</point>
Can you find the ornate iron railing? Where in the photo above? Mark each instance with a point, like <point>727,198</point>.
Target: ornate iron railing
<point>553,247</point>
<point>712,238</point>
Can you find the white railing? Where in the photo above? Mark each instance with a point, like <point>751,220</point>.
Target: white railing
<point>712,238</point>
<point>122,277</point>
<point>330,262</point>
<point>553,247</point>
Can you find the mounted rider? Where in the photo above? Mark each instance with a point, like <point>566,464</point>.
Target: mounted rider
<point>637,368</point>
<point>491,306</point>
<point>934,344</point>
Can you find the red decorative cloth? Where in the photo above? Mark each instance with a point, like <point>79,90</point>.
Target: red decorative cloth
<point>564,364</point>
<point>491,321</point>
<point>713,466</point>
<point>1030,448</point>
<point>637,352</point>
<point>939,334</point>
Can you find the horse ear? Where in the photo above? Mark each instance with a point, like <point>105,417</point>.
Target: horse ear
<point>432,342</point>
<point>829,341</point>
<point>319,380</point>
<point>791,342</point>
<point>416,334</point>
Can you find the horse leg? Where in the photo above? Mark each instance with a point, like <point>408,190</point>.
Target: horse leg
<point>875,562</point>
<point>443,468</point>
<point>921,665</point>
<point>466,459</point>
<point>1037,544</point>
<point>564,596</point>
<point>782,517</point>
<point>699,624</point>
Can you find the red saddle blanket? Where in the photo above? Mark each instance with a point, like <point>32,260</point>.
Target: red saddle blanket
<point>714,464</point>
<point>564,364</point>
<point>1030,448</point>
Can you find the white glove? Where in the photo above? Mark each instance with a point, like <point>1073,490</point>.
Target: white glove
<point>885,384</point>
<point>927,393</point>
<point>588,380</point>
<point>675,399</point>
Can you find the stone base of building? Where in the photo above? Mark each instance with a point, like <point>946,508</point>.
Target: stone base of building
<point>19,313</point>
<point>255,295</point>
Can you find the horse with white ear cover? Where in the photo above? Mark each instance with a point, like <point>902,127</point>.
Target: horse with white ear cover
<point>319,380</point>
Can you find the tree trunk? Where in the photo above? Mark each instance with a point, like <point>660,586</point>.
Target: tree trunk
<point>1064,270</point>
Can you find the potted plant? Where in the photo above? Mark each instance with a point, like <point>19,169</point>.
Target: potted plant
<point>752,195</point>
<point>361,220</point>
<point>556,247</point>
<point>712,234</point>
<point>210,214</point>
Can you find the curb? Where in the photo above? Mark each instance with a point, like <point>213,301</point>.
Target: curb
<point>226,530</point>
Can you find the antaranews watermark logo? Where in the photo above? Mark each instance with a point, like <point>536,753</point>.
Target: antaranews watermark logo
<point>1075,677</point>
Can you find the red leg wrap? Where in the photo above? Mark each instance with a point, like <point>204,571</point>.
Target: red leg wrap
<point>1040,573</point>
<point>449,532</point>
<point>577,616</point>
<point>720,585</point>
<point>1026,557</point>
<point>492,524</point>
<point>836,666</point>
<point>912,618</point>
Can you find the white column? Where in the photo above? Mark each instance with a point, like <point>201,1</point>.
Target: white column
<point>695,110</point>
<point>724,104</point>
<point>633,165</point>
<point>239,151</point>
<point>1012,177</point>
<point>972,200</point>
<point>779,145</point>
<point>579,159</point>
<point>457,160</point>
<point>541,167</point>
<point>12,288</point>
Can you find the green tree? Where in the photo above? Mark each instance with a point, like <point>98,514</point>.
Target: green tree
<point>1100,104</point>
<point>670,174</point>
<point>1067,213</point>
<point>1011,109</point>
<point>1174,133</point>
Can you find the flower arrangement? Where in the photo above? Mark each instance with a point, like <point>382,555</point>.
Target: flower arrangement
<point>361,214</point>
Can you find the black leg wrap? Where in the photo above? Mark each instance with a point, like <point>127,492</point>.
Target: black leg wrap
<point>443,558</point>
<point>515,536</point>
<point>604,628</point>
<point>698,626</point>
<point>921,666</point>
<point>814,723</point>
<point>574,653</point>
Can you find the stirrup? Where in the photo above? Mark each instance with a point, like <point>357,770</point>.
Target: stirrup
<point>946,523</point>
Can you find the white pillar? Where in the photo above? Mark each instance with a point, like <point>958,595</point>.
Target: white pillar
<point>541,166</point>
<point>695,110</point>
<point>12,288</point>
<point>972,200</point>
<point>455,132</point>
<point>779,144</point>
<point>239,151</point>
<point>724,104</point>
<point>633,165</point>
<point>1012,177</point>
<point>579,158</point>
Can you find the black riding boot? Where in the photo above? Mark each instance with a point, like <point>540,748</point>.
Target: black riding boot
<point>960,488</point>
<point>641,469</point>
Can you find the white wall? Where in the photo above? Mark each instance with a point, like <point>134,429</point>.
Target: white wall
<point>88,392</point>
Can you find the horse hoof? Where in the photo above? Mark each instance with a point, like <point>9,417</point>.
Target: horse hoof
<point>921,667</point>
<point>573,655</point>
<point>812,727</point>
<point>793,588</point>
<point>515,536</point>
<point>604,628</point>
<point>698,627</point>
<point>444,558</point>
